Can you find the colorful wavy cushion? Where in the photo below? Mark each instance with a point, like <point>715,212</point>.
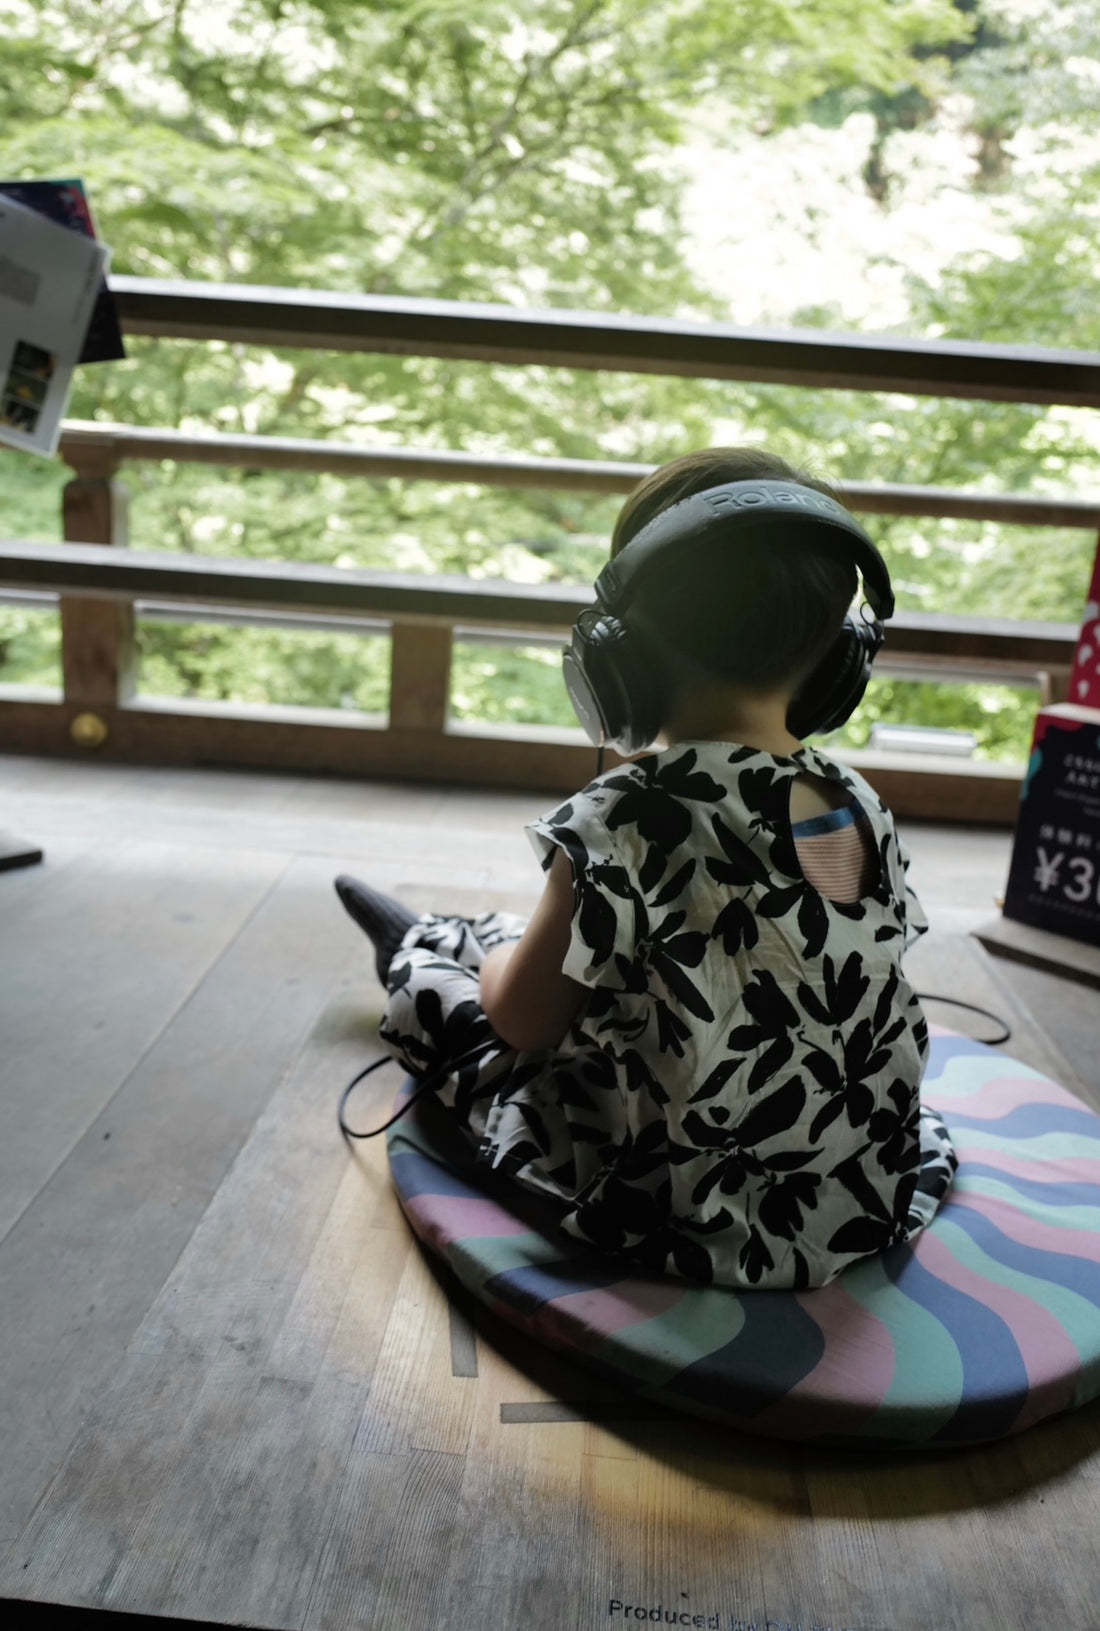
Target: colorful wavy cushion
<point>989,1323</point>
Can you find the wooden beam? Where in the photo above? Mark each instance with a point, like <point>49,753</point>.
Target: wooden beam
<point>300,586</point>
<point>77,569</point>
<point>960,504</point>
<point>97,651</point>
<point>1055,953</point>
<point>133,442</point>
<point>420,676</point>
<point>98,654</point>
<point>256,315</point>
<point>948,635</point>
<point>555,762</point>
<point>982,792</point>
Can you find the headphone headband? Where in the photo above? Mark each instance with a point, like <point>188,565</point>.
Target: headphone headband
<point>745,503</point>
<point>615,686</point>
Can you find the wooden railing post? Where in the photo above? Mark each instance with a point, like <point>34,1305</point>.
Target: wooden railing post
<point>97,636</point>
<point>420,676</point>
<point>1053,686</point>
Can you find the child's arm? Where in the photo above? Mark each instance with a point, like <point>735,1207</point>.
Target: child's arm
<point>527,999</point>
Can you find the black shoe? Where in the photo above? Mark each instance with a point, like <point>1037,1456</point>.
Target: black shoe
<point>383,919</point>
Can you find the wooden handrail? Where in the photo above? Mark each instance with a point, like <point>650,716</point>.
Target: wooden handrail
<point>957,668</point>
<point>83,442</point>
<point>103,573</point>
<point>99,583</point>
<point>324,320</point>
<point>99,572</point>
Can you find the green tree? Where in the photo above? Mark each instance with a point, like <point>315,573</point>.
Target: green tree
<point>527,156</point>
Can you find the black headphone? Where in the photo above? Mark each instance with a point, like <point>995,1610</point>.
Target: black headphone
<point>612,680</point>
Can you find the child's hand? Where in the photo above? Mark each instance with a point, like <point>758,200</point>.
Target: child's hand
<point>527,999</point>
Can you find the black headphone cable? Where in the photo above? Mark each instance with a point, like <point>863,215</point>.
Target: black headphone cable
<point>992,1042</point>
<point>433,1080</point>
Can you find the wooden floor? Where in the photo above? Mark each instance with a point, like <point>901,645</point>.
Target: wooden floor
<point>231,1388</point>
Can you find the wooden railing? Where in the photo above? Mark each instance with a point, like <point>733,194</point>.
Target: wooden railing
<point>103,585</point>
<point>623,344</point>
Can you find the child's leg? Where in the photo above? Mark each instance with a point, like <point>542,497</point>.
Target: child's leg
<point>939,1164</point>
<point>434,1019</point>
<point>464,939</point>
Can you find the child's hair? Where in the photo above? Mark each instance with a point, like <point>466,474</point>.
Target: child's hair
<point>759,610</point>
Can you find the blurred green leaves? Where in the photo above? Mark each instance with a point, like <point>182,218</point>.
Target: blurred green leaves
<point>530,156</point>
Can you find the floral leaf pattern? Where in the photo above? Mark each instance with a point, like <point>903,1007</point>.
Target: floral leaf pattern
<point>738,1099</point>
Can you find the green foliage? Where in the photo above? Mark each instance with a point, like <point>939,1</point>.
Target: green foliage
<point>528,155</point>
<point>30,639</point>
<point>429,147</point>
<point>501,685</point>
<point>30,647</point>
<point>1001,717</point>
<point>989,569</point>
<point>279,667</point>
<point>510,685</point>
<point>1037,68</point>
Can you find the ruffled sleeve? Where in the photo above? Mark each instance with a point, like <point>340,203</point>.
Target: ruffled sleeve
<point>605,904</point>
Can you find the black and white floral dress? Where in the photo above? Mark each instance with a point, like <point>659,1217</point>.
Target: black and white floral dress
<point>738,1099</point>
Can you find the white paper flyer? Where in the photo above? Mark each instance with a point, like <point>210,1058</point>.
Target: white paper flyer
<point>49,279</point>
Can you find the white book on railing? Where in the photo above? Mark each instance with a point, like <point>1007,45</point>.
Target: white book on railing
<point>49,280</point>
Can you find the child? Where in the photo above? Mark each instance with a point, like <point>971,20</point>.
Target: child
<point>702,1045</point>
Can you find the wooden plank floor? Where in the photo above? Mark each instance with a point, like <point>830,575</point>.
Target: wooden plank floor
<point>232,1387</point>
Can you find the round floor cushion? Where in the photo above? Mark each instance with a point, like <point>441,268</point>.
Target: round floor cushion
<point>989,1323</point>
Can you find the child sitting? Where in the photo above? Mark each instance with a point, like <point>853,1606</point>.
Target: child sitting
<point>701,1045</point>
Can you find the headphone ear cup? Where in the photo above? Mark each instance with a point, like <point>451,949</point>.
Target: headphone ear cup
<point>833,691</point>
<point>613,684</point>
